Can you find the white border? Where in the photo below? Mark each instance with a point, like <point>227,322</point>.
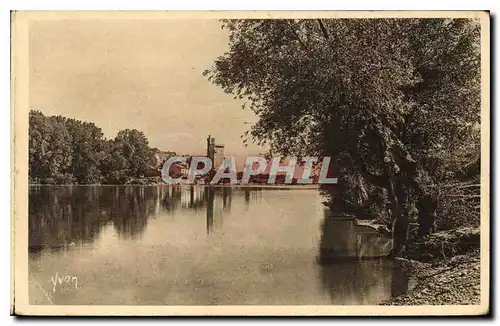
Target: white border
<point>182,5</point>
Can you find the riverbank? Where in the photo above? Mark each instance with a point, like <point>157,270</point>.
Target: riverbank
<point>447,271</point>
<point>151,182</point>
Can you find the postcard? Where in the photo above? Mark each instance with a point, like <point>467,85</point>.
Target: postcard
<point>250,163</point>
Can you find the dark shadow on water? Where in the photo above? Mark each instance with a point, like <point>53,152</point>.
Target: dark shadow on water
<point>400,281</point>
<point>347,275</point>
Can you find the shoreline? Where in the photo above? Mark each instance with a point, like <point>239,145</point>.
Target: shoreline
<point>452,282</point>
<point>182,185</point>
<point>446,269</point>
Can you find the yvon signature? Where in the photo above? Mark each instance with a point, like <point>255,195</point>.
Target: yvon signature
<point>66,280</point>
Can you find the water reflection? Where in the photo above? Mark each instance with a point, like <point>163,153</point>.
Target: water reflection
<point>62,217</point>
<point>357,255</point>
<point>257,246</point>
<point>400,282</point>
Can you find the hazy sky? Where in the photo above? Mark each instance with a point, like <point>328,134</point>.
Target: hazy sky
<point>142,74</point>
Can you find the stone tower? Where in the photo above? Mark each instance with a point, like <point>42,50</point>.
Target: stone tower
<point>210,147</point>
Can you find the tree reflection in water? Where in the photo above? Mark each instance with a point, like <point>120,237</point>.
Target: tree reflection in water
<point>62,217</point>
<point>344,274</point>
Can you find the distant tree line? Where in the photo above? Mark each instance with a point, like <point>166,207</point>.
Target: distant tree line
<point>69,151</point>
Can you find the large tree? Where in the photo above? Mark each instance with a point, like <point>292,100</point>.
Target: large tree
<point>87,143</point>
<point>387,98</point>
<point>50,151</point>
<point>134,147</point>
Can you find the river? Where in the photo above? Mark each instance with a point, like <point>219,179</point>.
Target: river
<point>191,245</point>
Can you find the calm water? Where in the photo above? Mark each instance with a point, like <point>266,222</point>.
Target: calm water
<point>191,246</point>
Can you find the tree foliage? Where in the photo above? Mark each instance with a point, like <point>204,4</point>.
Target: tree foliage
<point>134,147</point>
<point>66,151</point>
<point>390,99</point>
<point>50,151</point>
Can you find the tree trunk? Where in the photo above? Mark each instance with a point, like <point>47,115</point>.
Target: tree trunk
<point>426,212</point>
<point>399,199</point>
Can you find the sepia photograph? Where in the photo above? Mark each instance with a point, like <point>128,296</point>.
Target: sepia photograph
<point>251,163</point>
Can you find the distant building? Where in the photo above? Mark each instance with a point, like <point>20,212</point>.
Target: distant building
<point>215,152</point>
<point>162,156</point>
<point>218,155</point>
<point>210,147</point>
<point>179,170</point>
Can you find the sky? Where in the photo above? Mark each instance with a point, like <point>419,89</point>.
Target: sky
<point>138,74</point>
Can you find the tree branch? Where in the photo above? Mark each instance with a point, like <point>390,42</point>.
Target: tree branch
<point>323,30</point>
<point>304,47</point>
